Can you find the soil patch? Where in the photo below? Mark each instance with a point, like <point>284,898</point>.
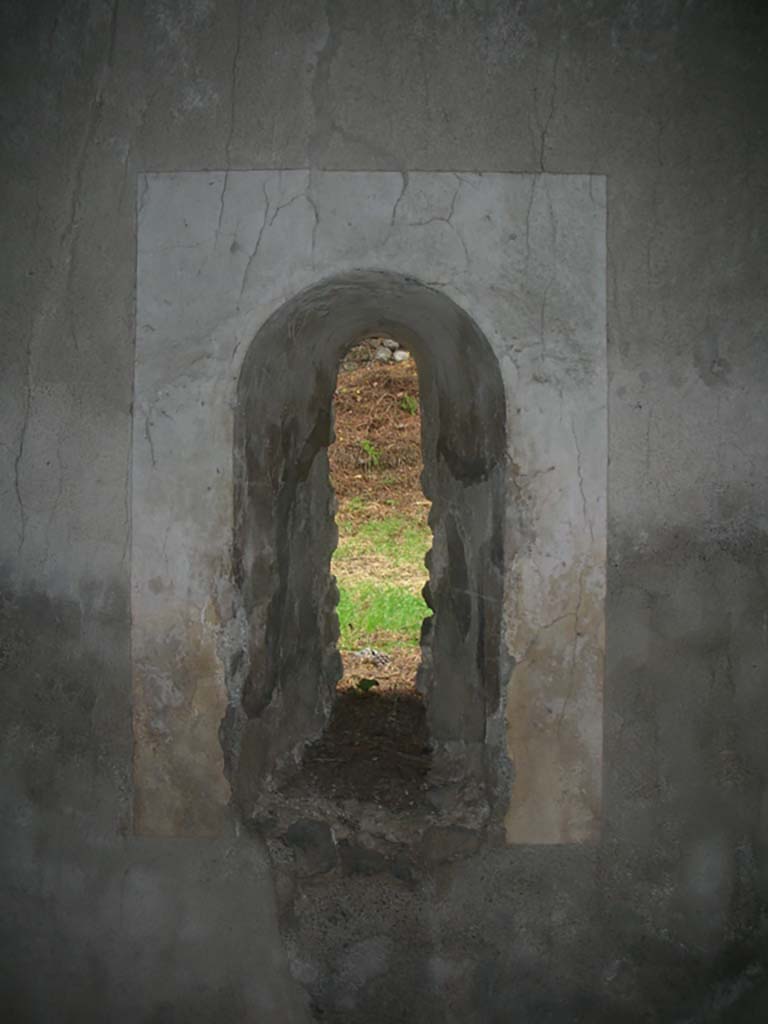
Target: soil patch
<point>375,748</point>
<point>376,458</point>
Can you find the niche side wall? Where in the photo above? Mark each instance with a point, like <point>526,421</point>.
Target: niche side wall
<point>284,532</point>
<point>218,254</point>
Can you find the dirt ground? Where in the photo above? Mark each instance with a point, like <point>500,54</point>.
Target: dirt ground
<point>372,403</point>
<point>376,747</point>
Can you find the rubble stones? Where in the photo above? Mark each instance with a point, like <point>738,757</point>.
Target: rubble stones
<point>388,350</point>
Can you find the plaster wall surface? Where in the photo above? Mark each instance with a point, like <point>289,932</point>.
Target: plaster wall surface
<point>218,253</point>
<point>664,919</point>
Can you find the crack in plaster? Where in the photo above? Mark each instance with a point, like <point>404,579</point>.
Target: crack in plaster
<point>325,125</point>
<point>444,220</point>
<point>127,490</point>
<point>574,644</point>
<point>221,206</point>
<point>316,213</point>
<point>150,442</point>
<point>523,658</point>
<point>584,506</point>
<point>143,194</point>
<point>450,220</point>
<point>262,229</point>
<point>285,205</point>
<point>164,549</point>
<point>174,246</point>
<point>534,182</point>
<point>71,231</point>
<point>544,129</point>
<point>22,441</point>
<point>551,279</point>
<point>233,83</point>
<point>61,433</point>
<point>405,178</point>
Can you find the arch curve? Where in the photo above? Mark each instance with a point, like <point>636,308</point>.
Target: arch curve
<point>284,530</point>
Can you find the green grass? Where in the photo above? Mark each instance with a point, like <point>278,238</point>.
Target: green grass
<point>409,404</point>
<point>379,615</point>
<point>379,567</point>
<point>403,541</point>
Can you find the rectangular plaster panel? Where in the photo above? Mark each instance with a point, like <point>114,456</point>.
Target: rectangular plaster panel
<point>218,253</point>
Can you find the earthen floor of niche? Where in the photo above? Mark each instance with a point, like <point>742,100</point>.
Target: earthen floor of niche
<point>375,749</point>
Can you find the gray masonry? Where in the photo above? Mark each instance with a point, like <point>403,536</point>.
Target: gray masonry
<point>560,210</point>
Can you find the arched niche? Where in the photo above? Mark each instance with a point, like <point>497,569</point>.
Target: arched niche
<point>285,534</point>
<point>217,253</point>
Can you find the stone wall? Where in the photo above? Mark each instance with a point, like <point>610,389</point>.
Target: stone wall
<point>660,920</point>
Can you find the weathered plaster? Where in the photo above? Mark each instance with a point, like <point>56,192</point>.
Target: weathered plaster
<point>665,918</point>
<point>524,255</point>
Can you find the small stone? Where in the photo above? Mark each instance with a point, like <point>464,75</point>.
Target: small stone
<point>390,343</point>
<point>401,355</point>
<point>383,355</point>
<point>371,654</point>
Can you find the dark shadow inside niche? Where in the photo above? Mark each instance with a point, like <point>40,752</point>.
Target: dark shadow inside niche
<point>375,749</point>
<point>284,685</point>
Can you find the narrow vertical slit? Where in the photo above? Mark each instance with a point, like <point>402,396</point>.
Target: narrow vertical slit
<point>377,738</point>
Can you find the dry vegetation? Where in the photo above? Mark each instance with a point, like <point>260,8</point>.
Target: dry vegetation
<point>377,403</point>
